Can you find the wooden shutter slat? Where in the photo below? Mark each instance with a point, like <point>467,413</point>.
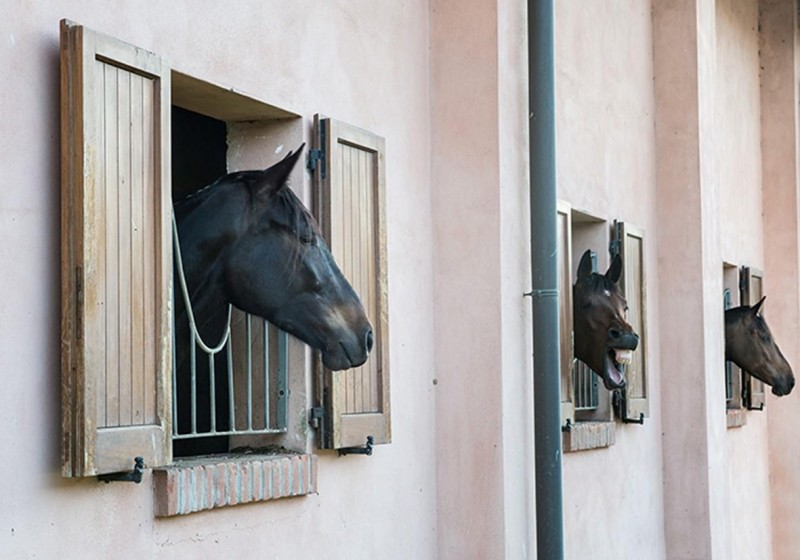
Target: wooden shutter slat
<point>116,254</point>
<point>634,286</point>
<point>752,291</point>
<point>564,224</point>
<point>350,203</point>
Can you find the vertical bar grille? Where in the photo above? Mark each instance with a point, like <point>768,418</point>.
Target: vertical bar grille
<point>726,297</point>
<point>584,382</point>
<point>248,375</point>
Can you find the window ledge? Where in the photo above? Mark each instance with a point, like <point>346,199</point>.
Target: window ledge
<point>205,483</point>
<point>736,417</point>
<point>588,435</point>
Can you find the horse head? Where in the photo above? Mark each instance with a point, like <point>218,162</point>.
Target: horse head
<point>603,339</point>
<point>248,240</point>
<point>750,345</point>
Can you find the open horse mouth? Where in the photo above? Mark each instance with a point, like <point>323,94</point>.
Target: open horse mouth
<point>616,362</point>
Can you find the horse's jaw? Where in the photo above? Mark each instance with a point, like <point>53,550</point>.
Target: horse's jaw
<point>614,366</point>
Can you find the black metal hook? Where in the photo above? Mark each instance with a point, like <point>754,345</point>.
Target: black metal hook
<point>363,450</point>
<point>618,401</point>
<point>133,476</point>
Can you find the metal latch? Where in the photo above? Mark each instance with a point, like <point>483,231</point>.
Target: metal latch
<point>133,476</point>
<point>363,450</point>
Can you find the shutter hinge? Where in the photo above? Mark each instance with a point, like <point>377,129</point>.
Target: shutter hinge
<point>614,247</point>
<point>743,282</point>
<point>318,421</point>
<point>316,157</point>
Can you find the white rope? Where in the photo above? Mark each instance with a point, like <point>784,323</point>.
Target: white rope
<point>187,302</point>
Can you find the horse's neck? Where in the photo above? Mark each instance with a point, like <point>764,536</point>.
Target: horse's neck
<point>202,251</point>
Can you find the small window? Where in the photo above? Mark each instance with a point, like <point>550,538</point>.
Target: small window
<point>237,396</point>
<point>586,405</point>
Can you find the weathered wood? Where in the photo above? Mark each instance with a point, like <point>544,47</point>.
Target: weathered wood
<point>564,239</point>
<point>116,254</point>
<point>351,208</point>
<point>753,291</point>
<point>634,286</point>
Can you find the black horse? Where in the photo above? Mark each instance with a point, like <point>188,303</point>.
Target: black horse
<point>247,240</point>
<point>750,345</point>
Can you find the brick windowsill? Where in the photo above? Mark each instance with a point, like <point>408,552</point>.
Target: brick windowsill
<point>736,417</point>
<point>199,484</point>
<point>588,435</point>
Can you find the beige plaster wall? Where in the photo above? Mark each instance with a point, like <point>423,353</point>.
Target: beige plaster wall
<point>607,167</point>
<point>362,62</point>
<point>779,122</point>
<point>737,105</point>
<point>483,334</point>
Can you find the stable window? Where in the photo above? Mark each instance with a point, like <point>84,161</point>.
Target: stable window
<point>586,406</point>
<point>741,286</point>
<point>120,105</point>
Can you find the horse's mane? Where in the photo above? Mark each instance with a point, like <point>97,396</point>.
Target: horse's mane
<point>298,218</point>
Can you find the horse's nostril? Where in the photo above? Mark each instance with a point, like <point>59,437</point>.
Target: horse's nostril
<point>614,333</point>
<point>369,340</point>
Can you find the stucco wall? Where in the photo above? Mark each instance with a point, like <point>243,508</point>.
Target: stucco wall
<point>362,62</point>
<point>738,144</point>
<point>606,167</point>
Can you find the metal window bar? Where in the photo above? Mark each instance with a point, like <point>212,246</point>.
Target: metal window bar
<point>273,372</point>
<point>726,298</point>
<point>584,380</point>
<point>267,414</point>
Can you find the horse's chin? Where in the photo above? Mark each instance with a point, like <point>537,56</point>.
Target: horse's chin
<point>339,359</point>
<point>782,389</point>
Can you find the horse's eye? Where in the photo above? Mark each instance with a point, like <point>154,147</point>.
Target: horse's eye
<point>307,239</point>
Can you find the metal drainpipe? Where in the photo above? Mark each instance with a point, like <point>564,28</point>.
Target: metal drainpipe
<point>544,267</point>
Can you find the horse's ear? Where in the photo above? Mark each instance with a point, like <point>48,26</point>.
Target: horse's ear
<point>276,176</point>
<point>615,270</point>
<point>585,266</point>
<point>757,306</point>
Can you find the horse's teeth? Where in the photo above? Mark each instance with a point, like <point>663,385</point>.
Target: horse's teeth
<point>624,356</point>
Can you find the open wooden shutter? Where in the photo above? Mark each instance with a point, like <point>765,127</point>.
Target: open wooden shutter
<point>564,248</point>
<point>633,284</point>
<point>116,254</point>
<point>350,202</point>
<point>752,290</point>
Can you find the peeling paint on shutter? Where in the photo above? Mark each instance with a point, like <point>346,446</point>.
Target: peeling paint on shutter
<point>350,202</point>
<point>116,254</point>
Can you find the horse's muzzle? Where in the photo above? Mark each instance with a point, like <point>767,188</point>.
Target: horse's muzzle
<point>783,387</point>
<point>622,340</point>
